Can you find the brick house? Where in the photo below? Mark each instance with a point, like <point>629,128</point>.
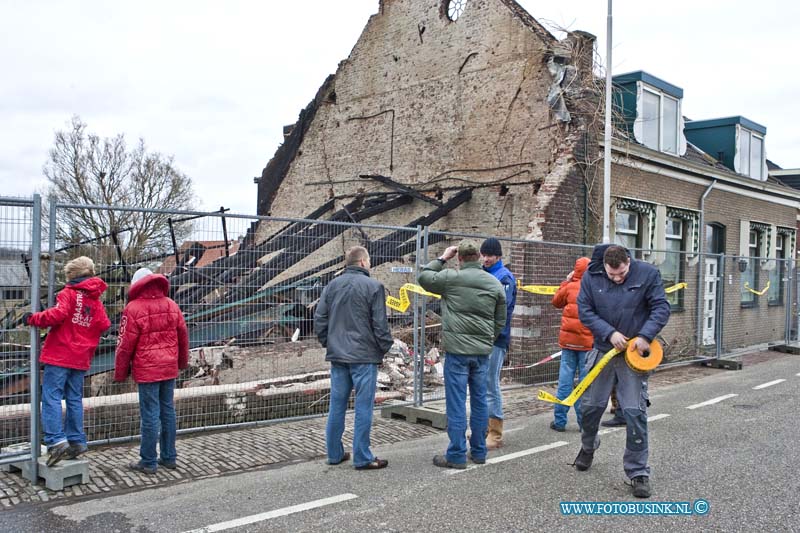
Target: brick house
<point>697,187</point>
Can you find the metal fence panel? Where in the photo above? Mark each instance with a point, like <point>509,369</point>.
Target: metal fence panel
<point>757,302</point>
<point>540,267</point>
<point>16,239</point>
<point>247,287</point>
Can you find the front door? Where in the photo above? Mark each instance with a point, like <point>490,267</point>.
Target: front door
<point>715,244</point>
<point>711,281</point>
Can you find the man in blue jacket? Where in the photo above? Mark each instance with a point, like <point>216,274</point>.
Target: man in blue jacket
<point>491,257</point>
<point>350,322</point>
<point>620,298</point>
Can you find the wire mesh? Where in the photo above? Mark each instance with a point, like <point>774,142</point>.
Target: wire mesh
<point>15,286</point>
<point>757,302</point>
<point>247,287</point>
<point>540,267</point>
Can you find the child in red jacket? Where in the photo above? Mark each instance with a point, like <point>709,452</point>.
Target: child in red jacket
<point>76,323</point>
<point>153,345</point>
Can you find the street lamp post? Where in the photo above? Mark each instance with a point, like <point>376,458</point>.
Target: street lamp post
<point>607,137</point>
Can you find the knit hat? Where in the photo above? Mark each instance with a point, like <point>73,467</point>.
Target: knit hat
<point>491,246</point>
<point>139,274</point>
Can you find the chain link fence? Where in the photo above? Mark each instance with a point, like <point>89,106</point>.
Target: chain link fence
<point>759,304</point>
<point>540,267</point>
<point>248,287</point>
<point>19,267</point>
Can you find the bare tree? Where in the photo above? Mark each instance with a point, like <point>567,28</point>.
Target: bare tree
<point>84,169</point>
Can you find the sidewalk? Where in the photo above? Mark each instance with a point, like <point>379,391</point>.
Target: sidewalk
<point>211,454</point>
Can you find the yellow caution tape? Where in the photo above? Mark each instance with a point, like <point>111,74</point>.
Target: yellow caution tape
<point>583,385</point>
<point>758,293</point>
<point>538,289</point>
<point>402,303</point>
<point>677,287</point>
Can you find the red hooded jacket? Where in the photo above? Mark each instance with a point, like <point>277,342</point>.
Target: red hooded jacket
<point>573,334</point>
<point>77,321</point>
<point>153,340</point>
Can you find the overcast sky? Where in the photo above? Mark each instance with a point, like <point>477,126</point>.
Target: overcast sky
<point>213,82</point>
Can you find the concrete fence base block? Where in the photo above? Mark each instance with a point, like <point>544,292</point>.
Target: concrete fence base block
<point>417,415</point>
<point>791,348</point>
<point>57,477</point>
<point>15,449</point>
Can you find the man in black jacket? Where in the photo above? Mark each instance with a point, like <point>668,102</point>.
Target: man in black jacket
<point>350,322</point>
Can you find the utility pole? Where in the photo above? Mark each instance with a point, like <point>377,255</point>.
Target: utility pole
<point>607,138</point>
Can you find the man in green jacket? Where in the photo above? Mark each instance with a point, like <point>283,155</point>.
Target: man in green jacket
<point>473,316</point>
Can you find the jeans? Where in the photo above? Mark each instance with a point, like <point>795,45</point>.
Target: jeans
<point>62,383</point>
<point>460,371</point>
<point>158,422</point>
<point>493,395</point>
<point>344,378</point>
<point>571,360</point>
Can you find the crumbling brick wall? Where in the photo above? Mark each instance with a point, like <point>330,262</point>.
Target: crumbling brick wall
<point>435,103</point>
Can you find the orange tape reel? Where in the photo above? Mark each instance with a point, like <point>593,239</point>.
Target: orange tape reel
<point>639,363</point>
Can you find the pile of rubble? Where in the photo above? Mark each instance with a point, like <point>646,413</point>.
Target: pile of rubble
<point>222,365</point>
<point>397,370</point>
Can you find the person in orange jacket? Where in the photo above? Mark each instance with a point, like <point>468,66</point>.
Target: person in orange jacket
<point>575,341</point>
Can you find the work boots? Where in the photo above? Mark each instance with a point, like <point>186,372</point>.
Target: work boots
<point>494,438</point>
<point>641,486</point>
<point>584,460</point>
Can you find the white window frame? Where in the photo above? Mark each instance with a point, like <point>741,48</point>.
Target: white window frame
<point>661,119</point>
<point>775,293</point>
<point>634,231</point>
<point>753,253</point>
<point>742,158</point>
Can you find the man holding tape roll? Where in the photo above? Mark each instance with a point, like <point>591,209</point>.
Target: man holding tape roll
<point>620,299</point>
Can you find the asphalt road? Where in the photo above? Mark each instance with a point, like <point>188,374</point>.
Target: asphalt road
<point>740,454</point>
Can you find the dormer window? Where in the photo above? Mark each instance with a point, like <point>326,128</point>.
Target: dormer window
<point>660,115</point>
<point>650,110</point>
<point>738,143</point>
<point>750,153</point>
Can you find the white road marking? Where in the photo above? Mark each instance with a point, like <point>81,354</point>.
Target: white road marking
<point>712,401</point>
<point>769,384</point>
<point>523,453</point>
<point>510,456</point>
<point>605,431</point>
<point>252,519</point>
